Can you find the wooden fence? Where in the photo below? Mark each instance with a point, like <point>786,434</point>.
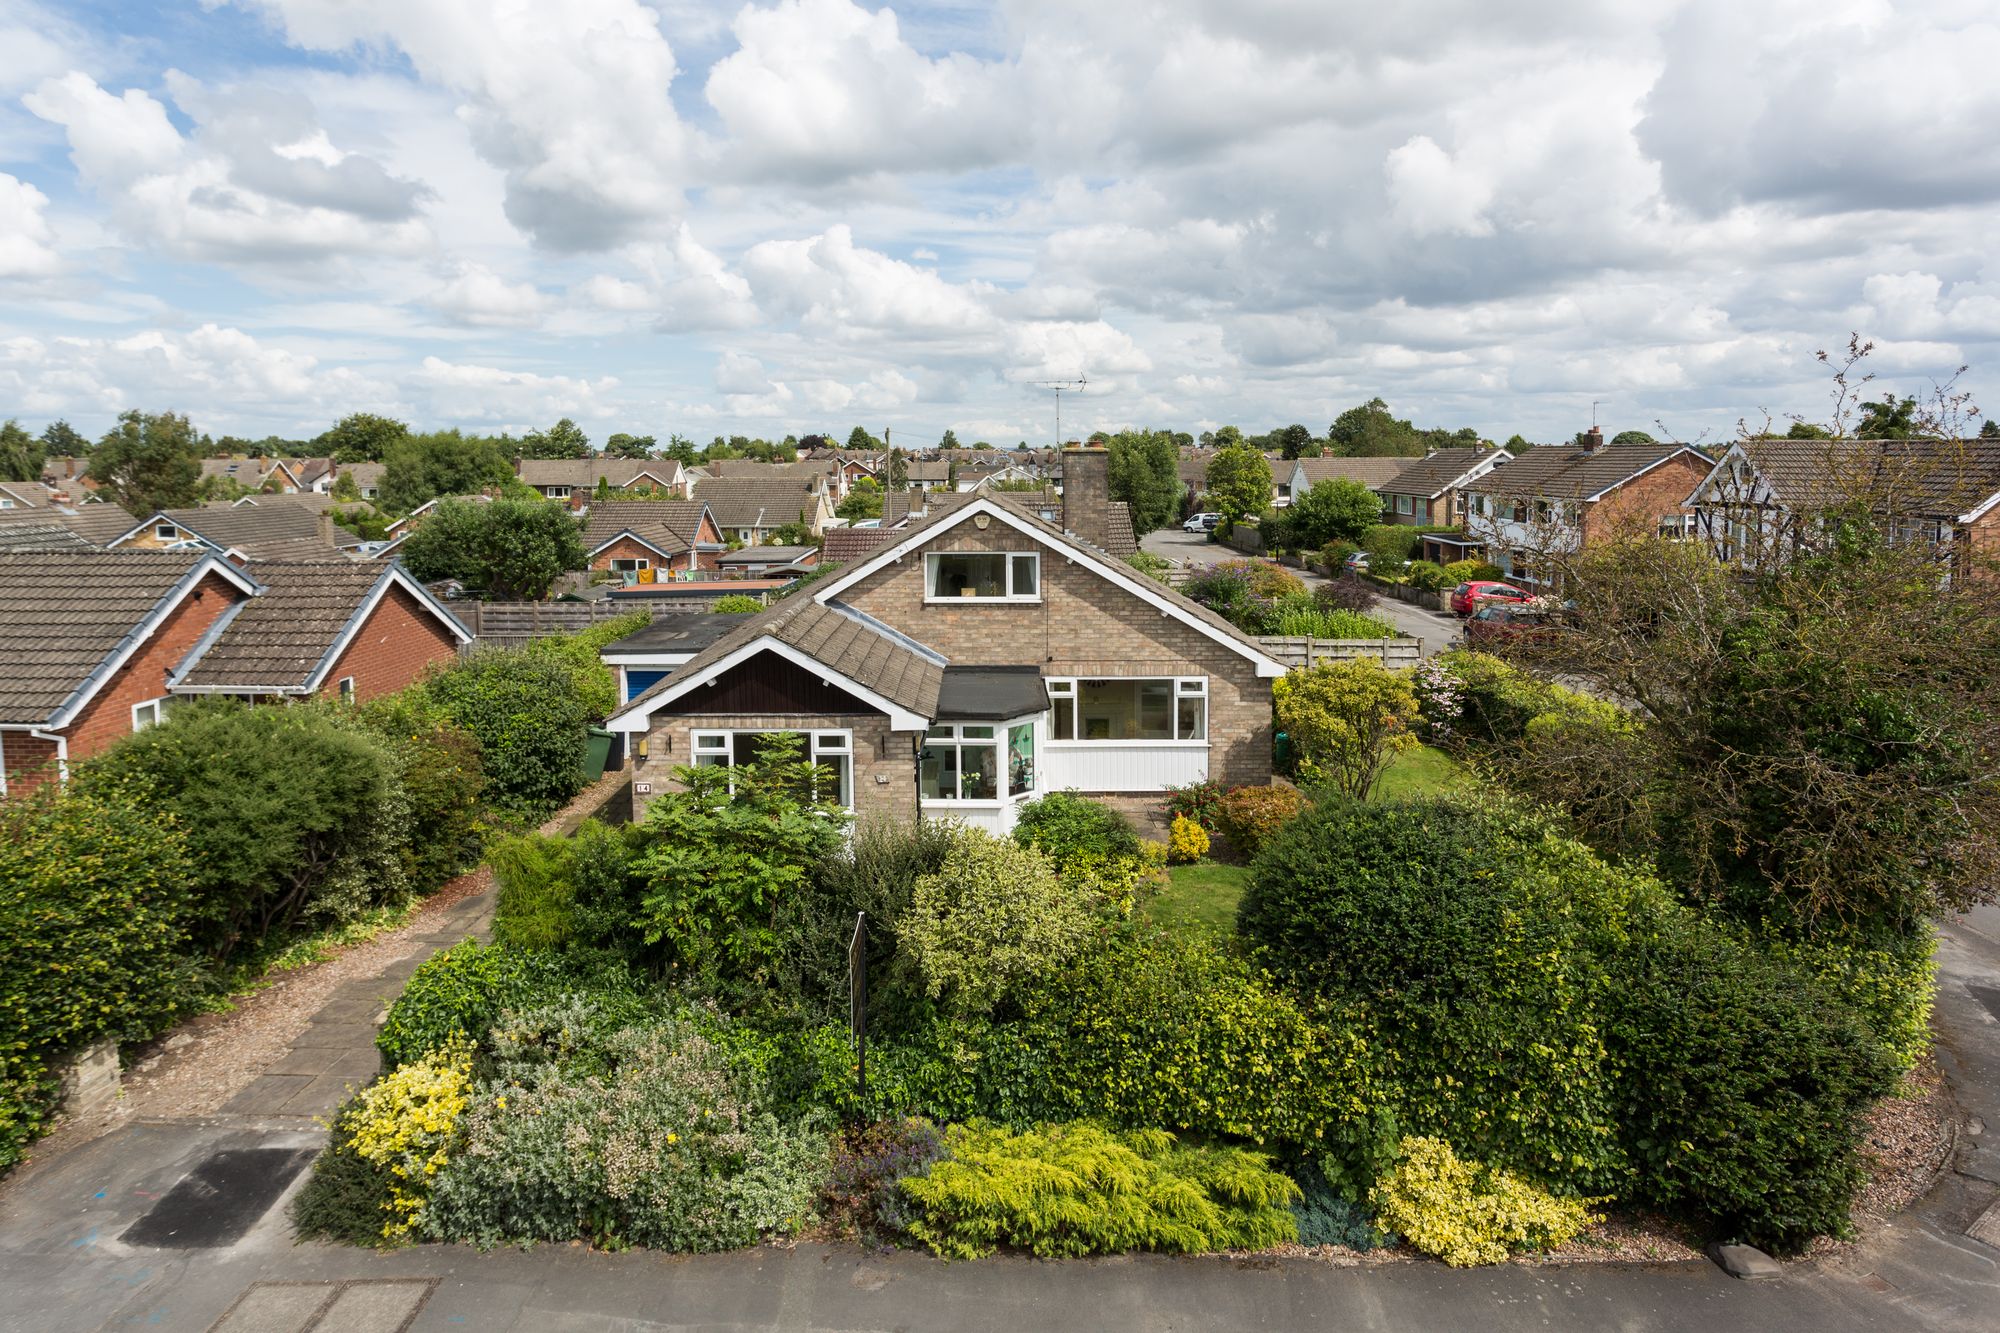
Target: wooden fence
<point>1402,651</point>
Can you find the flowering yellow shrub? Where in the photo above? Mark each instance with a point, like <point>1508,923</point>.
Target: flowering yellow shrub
<point>1187,842</point>
<point>1468,1214</point>
<point>403,1123</point>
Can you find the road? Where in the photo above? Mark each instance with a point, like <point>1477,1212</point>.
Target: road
<point>1437,630</point>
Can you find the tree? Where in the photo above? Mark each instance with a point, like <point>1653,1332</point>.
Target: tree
<point>1346,720</point>
<point>149,462</point>
<point>1339,509</point>
<point>362,437</point>
<point>798,532</point>
<point>951,475</point>
<point>681,449</point>
<point>1239,481</point>
<point>1888,419</point>
<point>423,467</point>
<point>508,549</point>
<point>949,440</point>
<point>20,453</point>
<point>1806,430</point>
<point>345,487</point>
<point>562,440</point>
<point>864,501</point>
<point>899,469</point>
<point>1144,471</point>
<point>1632,437</point>
<point>1371,431</point>
<point>60,440</point>
<point>1516,443</point>
<point>1991,430</point>
<point>861,442</point>
<point>1294,442</point>
<point>622,445</point>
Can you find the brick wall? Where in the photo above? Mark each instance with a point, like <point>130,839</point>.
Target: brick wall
<point>1083,626</point>
<point>29,762</point>
<point>396,643</point>
<point>626,548</point>
<point>885,764</point>
<point>144,675</point>
<point>1636,507</point>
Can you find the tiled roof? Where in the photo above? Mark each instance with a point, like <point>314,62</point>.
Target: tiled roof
<point>1118,538</point>
<point>669,525</point>
<point>62,615</point>
<point>275,640</point>
<point>251,472</point>
<point>96,524</point>
<point>766,555</point>
<point>1434,474</point>
<point>751,469</point>
<point>365,474</point>
<point>898,506</point>
<point>30,493</point>
<point>584,473</point>
<point>262,531</point>
<point>755,504</point>
<point>1567,470</point>
<point>1370,472</point>
<point>848,544</point>
<point>38,530</point>
<point>1941,478</point>
<point>842,640</point>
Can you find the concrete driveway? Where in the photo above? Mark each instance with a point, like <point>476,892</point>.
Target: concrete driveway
<point>1438,630</point>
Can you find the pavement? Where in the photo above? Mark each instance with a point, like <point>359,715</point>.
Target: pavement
<point>74,1227</point>
<point>1438,630</point>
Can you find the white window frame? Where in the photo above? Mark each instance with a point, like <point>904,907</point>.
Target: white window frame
<point>1063,692</point>
<point>556,492</point>
<point>633,564</point>
<point>1405,505</point>
<point>154,711</point>
<point>166,532</point>
<point>832,741</point>
<point>931,559</point>
<point>344,688</point>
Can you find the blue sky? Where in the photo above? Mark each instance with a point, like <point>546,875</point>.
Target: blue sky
<point>796,216</point>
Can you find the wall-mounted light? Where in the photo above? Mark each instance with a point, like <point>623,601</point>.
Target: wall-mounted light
<point>641,748</point>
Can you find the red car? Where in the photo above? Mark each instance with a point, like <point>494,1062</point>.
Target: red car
<point>1466,597</point>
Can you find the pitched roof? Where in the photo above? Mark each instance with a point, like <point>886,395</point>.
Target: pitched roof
<point>751,469</point>
<point>261,531</point>
<point>1570,470</point>
<point>1118,538</point>
<point>1942,478</point>
<point>65,616</point>
<point>584,473</point>
<point>669,526</point>
<point>755,504</point>
<point>1436,472</point>
<point>251,472</point>
<point>845,544</point>
<point>766,555</point>
<point>898,506</point>
<point>1370,472</point>
<point>30,493</point>
<point>96,524</point>
<point>280,639</point>
<point>39,530</point>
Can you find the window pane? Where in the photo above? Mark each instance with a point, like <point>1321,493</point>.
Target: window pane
<point>1156,717</point>
<point>937,773</point>
<point>969,574</point>
<point>1064,709</point>
<point>1024,575</point>
<point>711,742</point>
<point>1193,718</point>
<point>1121,710</point>
<point>979,774</point>
<point>976,733</point>
<point>830,742</point>
<point>1021,758</point>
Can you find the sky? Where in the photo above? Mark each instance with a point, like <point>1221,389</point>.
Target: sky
<point>665,216</point>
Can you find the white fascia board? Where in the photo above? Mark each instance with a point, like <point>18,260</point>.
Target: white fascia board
<point>1268,667</point>
<point>627,532</point>
<point>639,716</point>
<point>1735,452</point>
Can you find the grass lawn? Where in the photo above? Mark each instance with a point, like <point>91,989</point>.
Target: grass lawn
<point>1419,772</point>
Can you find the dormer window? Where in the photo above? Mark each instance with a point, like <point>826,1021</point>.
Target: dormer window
<point>982,576</point>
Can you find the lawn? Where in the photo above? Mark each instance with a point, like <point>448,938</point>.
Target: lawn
<point>1204,897</point>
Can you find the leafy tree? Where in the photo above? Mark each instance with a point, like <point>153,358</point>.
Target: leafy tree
<point>20,453</point>
<point>681,449</point>
<point>1339,509</point>
<point>424,467</point>
<point>1806,430</point>
<point>949,440</point>
<point>622,445</point>
<point>1517,442</point>
<point>528,714</point>
<point>60,440</point>
<point>1371,431</point>
<point>1888,419</point>
<point>796,533</point>
<point>562,440</point>
<point>506,549</point>
<point>369,523</point>
<point>1294,442</point>
<point>362,437</point>
<point>345,487</point>
<point>951,475</point>
<point>991,918</point>
<point>899,469</point>
<point>861,442</point>
<point>1632,437</point>
<point>149,462</point>
<point>1347,720</point>
<point>1239,481</point>
<point>1991,430</point>
<point>1144,472</point>
<point>863,501</point>
<point>1225,436</point>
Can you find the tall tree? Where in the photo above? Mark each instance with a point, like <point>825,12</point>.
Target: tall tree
<point>1991,430</point>
<point>899,470</point>
<point>861,441</point>
<point>1144,472</point>
<point>565,439</point>
<point>20,453</point>
<point>1632,437</point>
<point>424,467</point>
<point>1372,431</point>
<point>61,440</point>
<point>949,439</point>
<point>681,449</point>
<point>1294,442</point>
<point>1239,481</point>
<point>508,549</point>
<point>1339,509</point>
<point>149,461</point>
<point>1888,419</point>
<point>622,445</point>
<point>362,437</point>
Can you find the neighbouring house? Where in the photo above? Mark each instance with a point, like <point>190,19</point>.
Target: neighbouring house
<point>1767,499</point>
<point>68,476</point>
<point>1301,474</point>
<point>1430,491</point>
<point>575,480</point>
<point>977,658</point>
<point>759,562</point>
<point>96,525</point>
<point>278,531</point>
<point>748,511</point>
<point>95,645</point>
<point>649,654</point>
<point>26,495</point>
<point>254,474</point>
<point>979,479</point>
<point>367,478</point>
<point>843,546</point>
<point>641,540</point>
<point>1556,499</point>
<point>315,474</point>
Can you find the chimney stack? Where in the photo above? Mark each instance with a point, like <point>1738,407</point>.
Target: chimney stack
<point>1086,497</point>
<point>1593,440</point>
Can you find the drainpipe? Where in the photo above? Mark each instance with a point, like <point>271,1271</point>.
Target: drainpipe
<point>62,751</point>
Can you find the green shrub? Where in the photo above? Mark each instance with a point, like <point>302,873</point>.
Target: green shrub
<point>1152,566</point>
<point>1467,1214</point>
<point>1334,556</point>
<point>591,682</point>
<point>1427,576</point>
<point>1064,826</point>
<point>1251,814</point>
<point>1744,1084</point>
<point>529,719</point>
<point>92,898</point>
<point>1326,1217</point>
<point>864,1191</point>
<point>1389,546</point>
<point>464,989</point>
<point>1346,721</point>
<point>1306,618</point>
<point>671,1149</point>
<point>1469,571</point>
<point>737,604</point>
<point>342,1200</point>
<point>272,801</point>
<point>1496,701</point>
<point>438,768</point>
<point>1072,1190</point>
<point>535,901</point>
<point>993,916</point>
<point>1890,983</point>
<point>1199,801</point>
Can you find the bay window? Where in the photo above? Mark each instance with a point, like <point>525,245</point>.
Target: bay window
<point>987,576</point>
<point>1172,709</point>
<point>977,761</point>
<point>831,752</point>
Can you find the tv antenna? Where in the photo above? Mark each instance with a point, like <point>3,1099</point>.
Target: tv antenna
<point>1062,387</point>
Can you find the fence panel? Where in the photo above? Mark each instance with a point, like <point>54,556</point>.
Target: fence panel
<point>1402,651</point>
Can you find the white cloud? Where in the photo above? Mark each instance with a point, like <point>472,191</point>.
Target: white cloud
<point>471,392</point>
<point>26,250</point>
<point>1430,193</point>
<point>478,295</point>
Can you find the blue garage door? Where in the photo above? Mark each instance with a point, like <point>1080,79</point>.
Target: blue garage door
<point>638,682</point>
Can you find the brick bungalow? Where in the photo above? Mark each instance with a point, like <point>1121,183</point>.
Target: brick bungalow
<point>978,657</point>
<point>645,538</point>
<point>1430,491</point>
<point>95,644</point>
<point>276,530</point>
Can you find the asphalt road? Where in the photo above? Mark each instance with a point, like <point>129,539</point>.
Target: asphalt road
<point>1438,631</point>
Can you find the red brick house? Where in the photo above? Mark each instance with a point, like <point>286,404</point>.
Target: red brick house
<point>95,645</point>
<point>647,539</point>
